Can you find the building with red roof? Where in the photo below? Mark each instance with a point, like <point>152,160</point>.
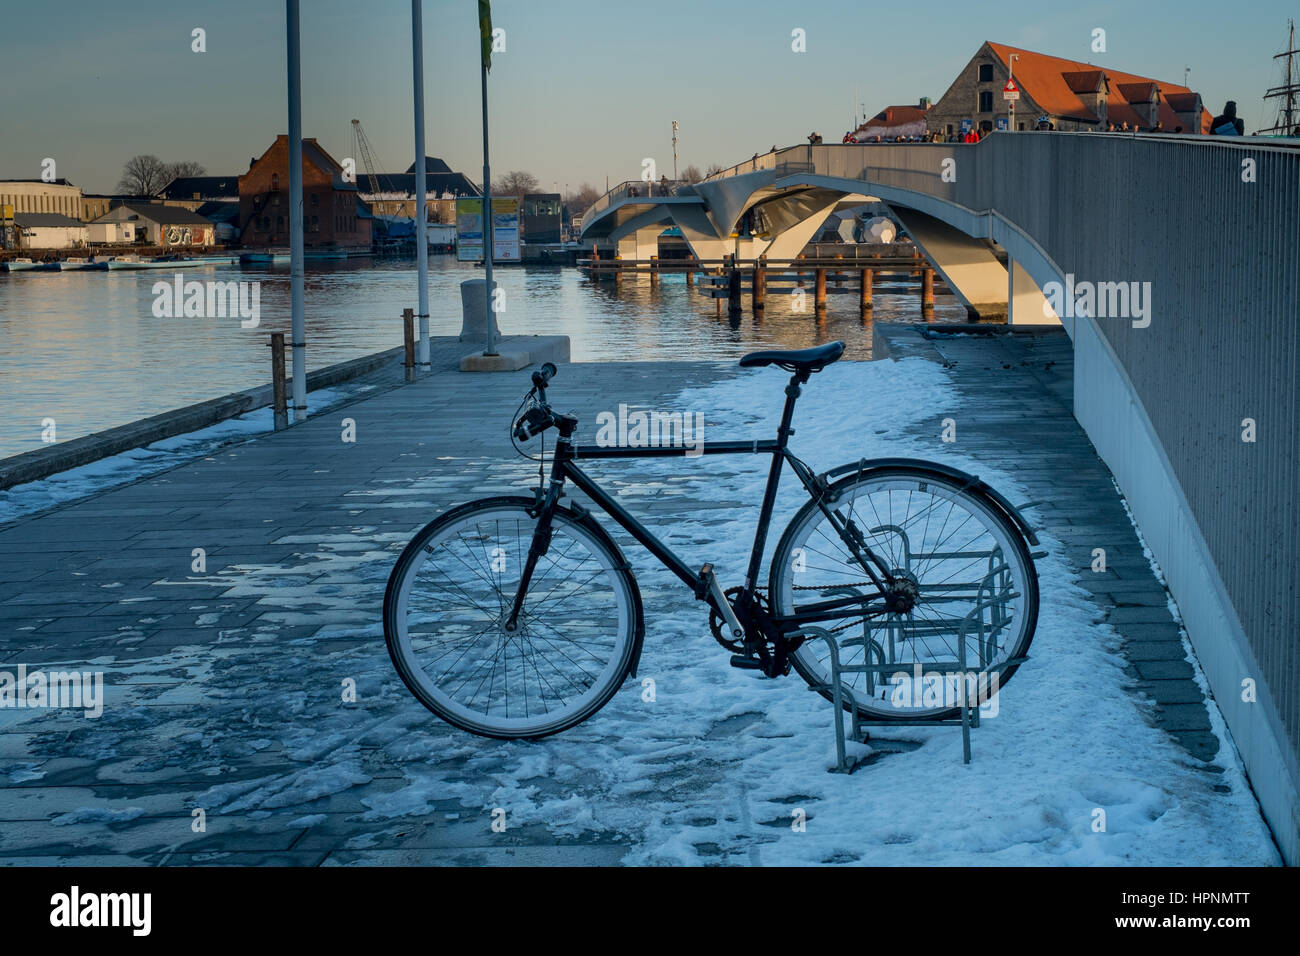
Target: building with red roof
<point>1071,95</point>
<point>893,122</point>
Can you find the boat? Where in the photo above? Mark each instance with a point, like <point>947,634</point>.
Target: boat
<point>19,265</point>
<point>261,258</point>
<point>80,263</point>
<point>135,262</point>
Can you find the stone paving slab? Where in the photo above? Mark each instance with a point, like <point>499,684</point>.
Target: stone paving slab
<point>1054,460</point>
<point>285,518</point>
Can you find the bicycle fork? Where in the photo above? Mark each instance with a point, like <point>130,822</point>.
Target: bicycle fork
<point>537,547</point>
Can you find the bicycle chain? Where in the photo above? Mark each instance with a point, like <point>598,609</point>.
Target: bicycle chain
<point>715,622</point>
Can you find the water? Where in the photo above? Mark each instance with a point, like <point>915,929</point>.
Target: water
<point>85,349</point>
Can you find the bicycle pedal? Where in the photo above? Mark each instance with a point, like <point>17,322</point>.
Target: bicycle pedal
<point>746,663</point>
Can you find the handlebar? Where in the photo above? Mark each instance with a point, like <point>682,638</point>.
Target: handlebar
<point>543,375</point>
<point>540,417</point>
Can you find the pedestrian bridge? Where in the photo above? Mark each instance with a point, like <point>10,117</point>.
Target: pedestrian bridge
<point>1173,263</point>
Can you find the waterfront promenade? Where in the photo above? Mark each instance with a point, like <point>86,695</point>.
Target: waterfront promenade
<point>227,684</point>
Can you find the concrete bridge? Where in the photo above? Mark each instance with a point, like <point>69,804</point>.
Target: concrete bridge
<point>1173,263</point>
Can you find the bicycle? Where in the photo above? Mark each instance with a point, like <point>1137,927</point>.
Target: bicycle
<point>518,617</point>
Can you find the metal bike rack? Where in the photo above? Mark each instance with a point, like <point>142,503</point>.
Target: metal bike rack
<point>970,715</point>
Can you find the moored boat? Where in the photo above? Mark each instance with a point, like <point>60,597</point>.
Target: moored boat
<point>80,263</point>
<point>135,262</point>
<point>19,265</point>
<point>261,258</point>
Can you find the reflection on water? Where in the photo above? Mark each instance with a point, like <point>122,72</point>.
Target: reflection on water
<point>85,349</point>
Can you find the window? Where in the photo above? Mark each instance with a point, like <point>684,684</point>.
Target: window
<point>986,72</point>
<point>986,101</point>
<point>275,180</point>
<point>315,200</point>
<point>315,224</point>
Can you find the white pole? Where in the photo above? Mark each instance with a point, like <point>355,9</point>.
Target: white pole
<point>421,216</point>
<point>491,348</point>
<point>298,334</point>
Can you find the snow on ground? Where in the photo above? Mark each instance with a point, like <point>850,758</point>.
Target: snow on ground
<point>66,486</point>
<point>722,762</point>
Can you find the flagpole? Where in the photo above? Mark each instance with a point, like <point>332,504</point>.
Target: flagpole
<point>298,334</point>
<point>487,227</point>
<point>421,216</point>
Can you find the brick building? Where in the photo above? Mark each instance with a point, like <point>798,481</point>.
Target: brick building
<point>333,214</point>
<point>1072,96</point>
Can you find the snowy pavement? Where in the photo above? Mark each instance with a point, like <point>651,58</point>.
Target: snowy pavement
<point>228,734</point>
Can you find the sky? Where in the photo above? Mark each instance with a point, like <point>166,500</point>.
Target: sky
<point>584,90</point>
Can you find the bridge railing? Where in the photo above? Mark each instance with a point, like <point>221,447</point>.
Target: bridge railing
<point>635,188</point>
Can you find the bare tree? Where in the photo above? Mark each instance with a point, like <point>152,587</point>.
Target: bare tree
<point>515,183</point>
<point>692,174</point>
<point>183,169</point>
<point>143,176</point>
<point>580,200</point>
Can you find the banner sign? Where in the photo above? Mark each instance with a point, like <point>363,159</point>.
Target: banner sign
<point>505,229</point>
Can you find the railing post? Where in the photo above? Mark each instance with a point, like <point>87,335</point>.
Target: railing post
<point>690,274</point>
<point>654,270</point>
<point>618,269</point>
<point>279,393</point>
<point>819,290</point>
<point>594,272</point>
<point>927,292</point>
<point>408,340</point>
<point>759,285</point>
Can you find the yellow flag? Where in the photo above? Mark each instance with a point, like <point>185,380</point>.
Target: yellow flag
<point>485,31</point>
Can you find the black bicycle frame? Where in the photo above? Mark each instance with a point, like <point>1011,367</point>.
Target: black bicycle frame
<point>563,468</point>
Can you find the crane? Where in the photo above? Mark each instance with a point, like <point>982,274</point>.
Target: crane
<point>361,147</point>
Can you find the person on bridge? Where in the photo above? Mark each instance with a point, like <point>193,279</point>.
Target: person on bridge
<point>1228,124</point>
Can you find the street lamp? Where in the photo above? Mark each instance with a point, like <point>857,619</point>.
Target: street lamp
<point>1011,104</point>
<point>674,150</point>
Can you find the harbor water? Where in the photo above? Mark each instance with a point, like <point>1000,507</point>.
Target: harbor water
<point>86,349</point>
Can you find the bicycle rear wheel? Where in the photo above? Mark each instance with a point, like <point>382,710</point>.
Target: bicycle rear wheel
<point>446,616</point>
<point>973,579</point>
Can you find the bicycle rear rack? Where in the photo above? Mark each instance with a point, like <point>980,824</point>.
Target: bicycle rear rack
<point>840,692</point>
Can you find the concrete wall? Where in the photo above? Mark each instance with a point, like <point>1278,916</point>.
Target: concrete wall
<point>1163,397</point>
<point>53,237</point>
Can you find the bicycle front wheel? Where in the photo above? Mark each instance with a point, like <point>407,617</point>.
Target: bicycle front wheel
<point>966,567</point>
<point>446,615</point>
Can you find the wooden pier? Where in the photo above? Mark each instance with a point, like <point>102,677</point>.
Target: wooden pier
<point>731,278</point>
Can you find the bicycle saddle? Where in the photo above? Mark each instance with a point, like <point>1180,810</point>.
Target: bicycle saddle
<point>796,360</point>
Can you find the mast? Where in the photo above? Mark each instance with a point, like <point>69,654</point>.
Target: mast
<point>1285,120</point>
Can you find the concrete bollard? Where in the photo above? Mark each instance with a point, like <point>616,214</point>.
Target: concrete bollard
<point>473,310</point>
